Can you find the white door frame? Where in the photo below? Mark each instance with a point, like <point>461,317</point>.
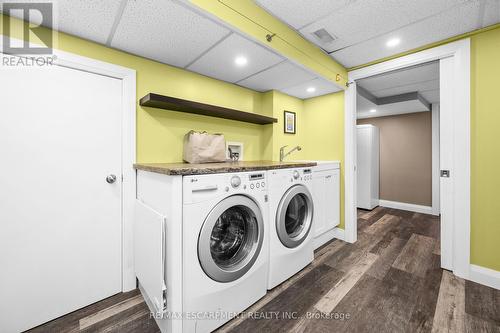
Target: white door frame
<point>128,77</point>
<point>459,79</point>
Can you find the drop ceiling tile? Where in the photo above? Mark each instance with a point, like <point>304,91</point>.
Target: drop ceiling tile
<point>363,20</point>
<point>459,20</point>
<point>165,31</point>
<point>298,13</point>
<point>219,63</point>
<point>90,19</point>
<point>364,106</point>
<point>322,87</point>
<point>410,76</point>
<point>283,75</point>
<point>406,88</point>
<point>491,12</point>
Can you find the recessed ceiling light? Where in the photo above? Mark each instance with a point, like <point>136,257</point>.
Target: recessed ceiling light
<point>393,42</point>
<point>311,89</point>
<point>373,110</point>
<point>241,61</point>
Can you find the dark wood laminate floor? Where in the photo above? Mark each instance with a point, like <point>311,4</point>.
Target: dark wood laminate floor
<point>390,280</point>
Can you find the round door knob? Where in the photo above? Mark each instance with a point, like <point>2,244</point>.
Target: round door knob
<point>235,181</point>
<point>111,179</point>
<point>296,174</point>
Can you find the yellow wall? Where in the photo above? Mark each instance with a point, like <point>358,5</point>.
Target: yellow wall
<point>324,125</point>
<point>284,102</point>
<point>485,152</point>
<point>160,133</point>
<point>319,126</point>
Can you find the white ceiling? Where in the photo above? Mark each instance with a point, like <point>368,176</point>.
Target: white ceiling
<point>423,79</point>
<point>165,31</point>
<point>362,27</point>
<point>218,62</point>
<point>177,33</point>
<point>283,75</point>
<point>364,106</point>
<point>321,86</point>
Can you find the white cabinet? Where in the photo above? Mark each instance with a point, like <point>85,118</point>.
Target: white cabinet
<point>367,166</point>
<point>326,199</point>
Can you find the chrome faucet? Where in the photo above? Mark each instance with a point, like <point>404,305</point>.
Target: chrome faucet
<point>282,152</point>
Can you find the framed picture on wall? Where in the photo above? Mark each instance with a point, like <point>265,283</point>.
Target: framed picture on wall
<point>289,121</point>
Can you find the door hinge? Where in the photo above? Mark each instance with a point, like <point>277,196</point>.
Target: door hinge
<point>445,173</point>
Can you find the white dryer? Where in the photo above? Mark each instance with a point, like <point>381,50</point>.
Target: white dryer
<point>225,246</point>
<point>291,214</point>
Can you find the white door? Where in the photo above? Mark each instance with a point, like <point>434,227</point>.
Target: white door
<point>60,239</point>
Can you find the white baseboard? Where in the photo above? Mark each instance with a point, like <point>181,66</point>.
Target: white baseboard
<point>485,276</point>
<point>406,206</point>
<point>327,236</point>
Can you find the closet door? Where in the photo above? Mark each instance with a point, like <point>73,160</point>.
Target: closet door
<point>60,193</point>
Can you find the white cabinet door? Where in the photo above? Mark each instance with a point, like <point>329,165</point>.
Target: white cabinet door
<point>319,193</point>
<point>326,196</point>
<point>332,198</point>
<point>60,243</point>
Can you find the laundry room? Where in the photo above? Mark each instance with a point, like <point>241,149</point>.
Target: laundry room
<point>178,166</point>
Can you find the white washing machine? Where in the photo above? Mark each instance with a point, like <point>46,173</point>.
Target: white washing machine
<point>291,214</point>
<point>225,246</point>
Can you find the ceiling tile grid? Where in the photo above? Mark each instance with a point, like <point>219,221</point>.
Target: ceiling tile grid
<point>423,79</point>
<point>299,13</point>
<point>363,20</point>
<point>401,88</point>
<point>88,19</point>
<point>321,87</point>
<point>219,61</point>
<point>364,107</point>
<point>406,77</point>
<point>460,19</point>
<point>165,31</point>
<point>284,74</point>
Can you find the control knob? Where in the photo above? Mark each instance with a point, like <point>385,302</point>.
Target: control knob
<point>296,174</point>
<point>235,181</point>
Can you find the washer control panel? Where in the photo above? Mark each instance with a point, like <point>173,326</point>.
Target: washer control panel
<point>301,175</point>
<point>257,180</point>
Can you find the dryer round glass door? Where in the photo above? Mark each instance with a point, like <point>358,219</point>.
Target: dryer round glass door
<point>294,216</point>
<point>231,238</point>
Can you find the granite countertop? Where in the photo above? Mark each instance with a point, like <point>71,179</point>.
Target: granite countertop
<point>184,169</point>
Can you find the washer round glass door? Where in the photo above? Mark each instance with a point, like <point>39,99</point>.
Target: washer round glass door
<point>231,238</point>
<point>294,216</point>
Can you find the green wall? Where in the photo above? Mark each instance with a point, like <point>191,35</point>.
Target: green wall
<point>485,151</point>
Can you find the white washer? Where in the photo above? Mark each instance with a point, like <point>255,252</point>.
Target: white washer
<point>291,211</point>
<point>225,246</point>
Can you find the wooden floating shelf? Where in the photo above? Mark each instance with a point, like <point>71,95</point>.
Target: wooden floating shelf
<point>182,105</point>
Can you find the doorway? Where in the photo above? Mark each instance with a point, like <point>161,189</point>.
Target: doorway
<point>454,115</point>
